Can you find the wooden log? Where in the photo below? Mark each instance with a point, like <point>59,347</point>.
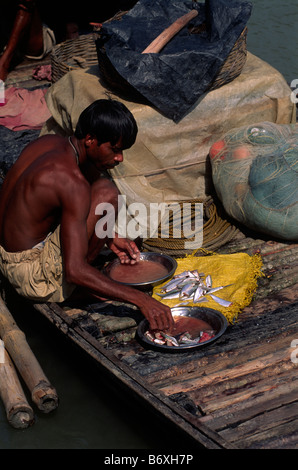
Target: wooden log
<point>19,413</point>
<point>161,40</point>
<point>42,392</point>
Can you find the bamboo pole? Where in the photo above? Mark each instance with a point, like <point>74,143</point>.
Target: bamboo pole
<point>42,393</point>
<point>19,413</point>
<point>161,40</point>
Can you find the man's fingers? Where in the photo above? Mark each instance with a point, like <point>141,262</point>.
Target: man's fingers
<point>161,319</point>
<point>133,250</point>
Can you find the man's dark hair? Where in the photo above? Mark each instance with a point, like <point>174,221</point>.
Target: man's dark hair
<point>107,120</point>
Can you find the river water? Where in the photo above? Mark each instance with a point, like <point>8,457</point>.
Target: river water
<point>93,412</point>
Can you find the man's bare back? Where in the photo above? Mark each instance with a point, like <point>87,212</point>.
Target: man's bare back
<point>29,206</point>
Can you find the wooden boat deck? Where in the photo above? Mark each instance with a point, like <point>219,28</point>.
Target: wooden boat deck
<point>239,392</point>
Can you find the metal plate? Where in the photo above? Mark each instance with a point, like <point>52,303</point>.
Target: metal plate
<point>216,320</point>
<point>169,263</point>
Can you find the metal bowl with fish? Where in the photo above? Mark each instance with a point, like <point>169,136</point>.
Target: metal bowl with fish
<point>151,270</point>
<point>194,328</point>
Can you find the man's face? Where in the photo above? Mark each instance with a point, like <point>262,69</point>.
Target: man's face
<point>106,156</point>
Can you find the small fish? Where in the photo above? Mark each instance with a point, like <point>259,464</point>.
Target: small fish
<point>224,303</point>
<point>187,290</point>
<point>208,281</point>
<point>198,293</point>
<point>174,294</point>
<point>189,342</point>
<point>171,285</point>
<point>182,303</point>
<point>159,341</point>
<point>170,339</point>
<point>214,289</point>
<point>149,335</point>
<point>191,274</point>
<point>185,336</point>
<point>179,276</point>
<point>201,299</point>
<point>185,281</point>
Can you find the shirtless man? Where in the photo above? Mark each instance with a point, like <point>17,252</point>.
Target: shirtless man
<point>47,213</point>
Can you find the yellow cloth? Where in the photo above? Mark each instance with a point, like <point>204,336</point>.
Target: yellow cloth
<point>239,269</point>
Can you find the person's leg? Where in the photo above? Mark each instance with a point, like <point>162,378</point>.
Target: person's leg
<point>27,29</point>
<point>34,36</point>
<point>103,192</point>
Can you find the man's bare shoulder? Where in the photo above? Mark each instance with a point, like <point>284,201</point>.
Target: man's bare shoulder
<point>47,143</point>
<point>48,165</point>
<point>56,161</point>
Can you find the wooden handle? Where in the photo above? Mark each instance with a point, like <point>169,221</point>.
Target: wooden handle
<point>161,40</point>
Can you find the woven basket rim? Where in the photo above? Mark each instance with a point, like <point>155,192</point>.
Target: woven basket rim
<point>82,47</point>
<point>230,69</point>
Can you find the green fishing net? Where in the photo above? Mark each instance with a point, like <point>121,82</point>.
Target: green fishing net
<point>255,174</point>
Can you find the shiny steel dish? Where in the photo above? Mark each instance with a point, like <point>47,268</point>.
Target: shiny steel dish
<point>215,318</point>
<point>169,263</point>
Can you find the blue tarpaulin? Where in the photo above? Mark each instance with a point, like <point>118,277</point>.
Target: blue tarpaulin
<point>174,79</point>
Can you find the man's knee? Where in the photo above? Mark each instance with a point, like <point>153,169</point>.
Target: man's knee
<point>105,191</point>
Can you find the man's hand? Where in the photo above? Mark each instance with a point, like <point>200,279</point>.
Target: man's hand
<point>126,250</point>
<point>158,315</point>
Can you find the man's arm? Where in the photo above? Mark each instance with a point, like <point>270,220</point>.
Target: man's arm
<point>74,244</point>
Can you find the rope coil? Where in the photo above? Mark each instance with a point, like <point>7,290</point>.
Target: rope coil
<point>216,232</point>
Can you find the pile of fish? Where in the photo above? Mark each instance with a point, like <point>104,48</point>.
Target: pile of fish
<point>184,339</point>
<point>191,286</point>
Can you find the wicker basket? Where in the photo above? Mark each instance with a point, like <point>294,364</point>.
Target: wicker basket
<point>231,68</point>
<point>78,53</point>
<point>73,54</point>
<point>234,63</point>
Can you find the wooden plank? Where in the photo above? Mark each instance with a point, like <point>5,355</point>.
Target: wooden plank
<point>237,373</point>
<point>247,369</point>
<point>263,390</point>
<point>213,364</point>
<point>284,436</point>
<point>284,297</point>
<point>163,405</point>
<point>265,421</point>
<point>237,413</point>
<point>241,344</point>
<point>241,337</point>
